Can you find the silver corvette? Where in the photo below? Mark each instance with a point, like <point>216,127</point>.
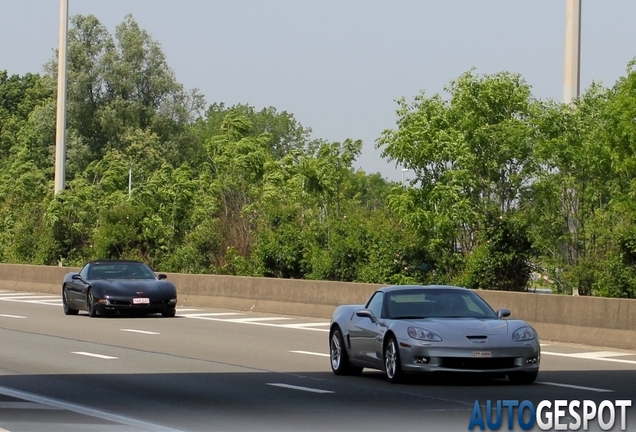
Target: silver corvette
<point>413,329</point>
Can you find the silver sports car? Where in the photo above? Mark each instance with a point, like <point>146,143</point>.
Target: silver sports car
<point>412,329</point>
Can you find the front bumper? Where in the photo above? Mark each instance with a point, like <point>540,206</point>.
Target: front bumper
<point>125,304</point>
<point>493,358</point>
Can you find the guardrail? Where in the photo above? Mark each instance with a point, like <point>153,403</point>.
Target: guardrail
<point>575,319</point>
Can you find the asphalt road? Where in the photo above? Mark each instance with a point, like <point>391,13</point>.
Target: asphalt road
<point>219,370</point>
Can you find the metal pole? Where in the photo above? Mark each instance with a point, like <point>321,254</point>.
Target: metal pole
<point>60,133</point>
<point>572,64</point>
<point>129,181</point>
<point>403,171</point>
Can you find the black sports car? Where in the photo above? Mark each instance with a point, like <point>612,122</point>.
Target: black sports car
<point>118,286</point>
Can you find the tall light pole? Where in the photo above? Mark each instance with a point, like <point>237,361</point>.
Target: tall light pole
<point>572,64</point>
<point>403,171</point>
<point>60,132</point>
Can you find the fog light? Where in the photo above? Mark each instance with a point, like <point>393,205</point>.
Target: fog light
<point>421,360</point>
<point>172,301</point>
<point>103,301</point>
<point>532,360</point>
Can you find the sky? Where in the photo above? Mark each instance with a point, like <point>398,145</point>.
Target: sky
<point>339,65</point>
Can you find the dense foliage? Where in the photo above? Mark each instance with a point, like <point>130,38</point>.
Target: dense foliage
<point>508,191</point>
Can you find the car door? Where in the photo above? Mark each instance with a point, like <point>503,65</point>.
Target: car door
<point>366,333</point>
<point>77,287</point>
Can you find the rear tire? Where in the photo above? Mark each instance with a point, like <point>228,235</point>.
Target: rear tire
<point>170,313</point>
<point>68,310</point>
<point>392,362</point>
<point>523,377</point>
<point>338,355</point>
<point>90,304</point>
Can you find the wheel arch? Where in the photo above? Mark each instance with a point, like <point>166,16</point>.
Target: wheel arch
<point>388,335</point>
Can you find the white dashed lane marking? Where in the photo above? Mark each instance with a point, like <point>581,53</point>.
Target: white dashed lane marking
<point>140,331</point>
<point>12,316</point>
<point>310,353</point>
<point>293,387</point>
<point>100,356</point>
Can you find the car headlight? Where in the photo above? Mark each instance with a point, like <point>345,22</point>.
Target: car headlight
<point>523,334</point>
<point>423,334</point>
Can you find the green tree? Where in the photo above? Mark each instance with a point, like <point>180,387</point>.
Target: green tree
<point>471,155</point>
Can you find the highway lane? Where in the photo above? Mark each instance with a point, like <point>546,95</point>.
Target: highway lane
<point>218,370</point>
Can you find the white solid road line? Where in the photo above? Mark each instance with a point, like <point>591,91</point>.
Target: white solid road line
<point>589,357</point>
<point>26,406</point>
<point>293,387</point>
<point>85,411</point>
<point>11,316</point>
<point>105,357</point>
<point>311,324</point>
<point>302,327</point>
<point>203,315</point>
<point>600,354</point>
<point>599,390</point>
<point>255,320</point>
<point>310,353</point>
<point>140,331</point>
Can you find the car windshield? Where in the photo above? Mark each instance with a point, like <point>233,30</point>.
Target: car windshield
<point>436,303</point>
<point>128,270</point>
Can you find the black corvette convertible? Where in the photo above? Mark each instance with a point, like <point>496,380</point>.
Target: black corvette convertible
<point>103,287</point>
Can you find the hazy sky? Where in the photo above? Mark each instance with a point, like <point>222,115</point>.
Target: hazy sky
<point>339,65</point>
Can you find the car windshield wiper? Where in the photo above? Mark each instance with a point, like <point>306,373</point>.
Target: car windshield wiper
<point>410,317</point>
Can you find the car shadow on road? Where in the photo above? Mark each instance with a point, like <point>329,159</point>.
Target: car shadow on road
<point>301,401</point>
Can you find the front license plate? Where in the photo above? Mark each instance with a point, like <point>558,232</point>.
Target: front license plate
<point>141,301</point>
<point>481,354</point>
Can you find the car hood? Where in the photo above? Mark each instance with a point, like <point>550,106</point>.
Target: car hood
<point>133,286</point>
<point>464,326</point>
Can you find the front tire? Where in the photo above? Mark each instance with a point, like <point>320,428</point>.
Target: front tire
<point>68,310</point>
<point>392,362</point>
<point>523,377</point>
<point>338,355</point>
<point>90,304</point>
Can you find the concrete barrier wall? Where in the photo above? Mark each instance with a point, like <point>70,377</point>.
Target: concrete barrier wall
<point>583,320</point>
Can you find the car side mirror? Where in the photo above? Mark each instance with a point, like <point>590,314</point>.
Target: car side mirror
<point>366,313</point>
<point>503,312</point>
<point>161,276</point>
<point>77,277</point>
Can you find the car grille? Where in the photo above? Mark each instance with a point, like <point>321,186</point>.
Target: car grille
<point>477,363</point>
<point>119,303</point>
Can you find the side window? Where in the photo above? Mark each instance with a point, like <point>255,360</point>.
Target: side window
<point>84,272</point>
<point>375,304</point>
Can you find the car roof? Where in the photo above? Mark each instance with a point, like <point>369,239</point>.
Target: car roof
<point>394,288</point>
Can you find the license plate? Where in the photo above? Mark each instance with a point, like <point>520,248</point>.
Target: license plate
<point>481,353</point>
<point>141,301</point>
